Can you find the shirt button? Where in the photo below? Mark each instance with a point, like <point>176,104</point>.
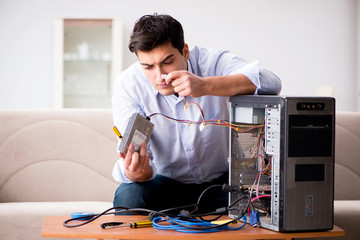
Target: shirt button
<point>189,148</point>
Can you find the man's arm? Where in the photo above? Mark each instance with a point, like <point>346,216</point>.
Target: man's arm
<point>187,84</point>
<point>125,103</point>
<point>222,74</point>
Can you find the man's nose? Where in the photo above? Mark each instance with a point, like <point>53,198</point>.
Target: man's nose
<point>158,74</point>
<point>161,75</point>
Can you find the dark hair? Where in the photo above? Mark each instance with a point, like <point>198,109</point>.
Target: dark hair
<point>151,31</point>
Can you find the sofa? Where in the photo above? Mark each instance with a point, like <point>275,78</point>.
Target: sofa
<point>54,162</point>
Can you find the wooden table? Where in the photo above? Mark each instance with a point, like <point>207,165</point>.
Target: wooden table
<point>53,227</point>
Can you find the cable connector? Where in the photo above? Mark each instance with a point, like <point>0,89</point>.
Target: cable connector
<point>221,210</point>
<point>202,126</point>
<point>230,188</point>
<point>184,212</point>
<point>254,218</point>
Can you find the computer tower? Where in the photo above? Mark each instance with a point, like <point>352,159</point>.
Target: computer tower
<point>282,153</point>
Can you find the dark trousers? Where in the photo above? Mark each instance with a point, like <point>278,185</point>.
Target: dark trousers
<point>163,193</point>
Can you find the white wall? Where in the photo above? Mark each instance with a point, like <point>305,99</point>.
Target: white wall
<point>307,43</point>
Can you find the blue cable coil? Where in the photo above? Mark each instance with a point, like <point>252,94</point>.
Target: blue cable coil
<point>193,226</point>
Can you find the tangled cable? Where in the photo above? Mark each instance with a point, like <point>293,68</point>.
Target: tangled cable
<point>193,226</point>
<point>185,221</point>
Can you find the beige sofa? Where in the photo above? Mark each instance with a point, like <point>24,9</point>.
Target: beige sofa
<point>54,162</point>
<point>347,174</point>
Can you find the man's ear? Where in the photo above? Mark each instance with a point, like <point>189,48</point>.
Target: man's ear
<point>186,52</point>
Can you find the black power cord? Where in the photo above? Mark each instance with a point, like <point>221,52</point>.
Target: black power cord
<point>178,218</point>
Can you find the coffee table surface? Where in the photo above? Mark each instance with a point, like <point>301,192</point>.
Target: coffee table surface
<point>53,227</point>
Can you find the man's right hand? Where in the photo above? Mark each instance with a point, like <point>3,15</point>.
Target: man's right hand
<point>137,167</point>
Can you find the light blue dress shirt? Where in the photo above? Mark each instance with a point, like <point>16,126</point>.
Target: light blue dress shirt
<point>178,150</point>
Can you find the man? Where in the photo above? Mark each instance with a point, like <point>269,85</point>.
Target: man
<point>181,160</point>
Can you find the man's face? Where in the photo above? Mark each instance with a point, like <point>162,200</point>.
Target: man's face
<point>163,60</point>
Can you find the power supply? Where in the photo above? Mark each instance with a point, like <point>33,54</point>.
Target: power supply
<point>282,151</point>
<point>138,130</point>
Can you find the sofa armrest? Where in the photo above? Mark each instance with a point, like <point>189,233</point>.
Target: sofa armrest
<point>347,217</point>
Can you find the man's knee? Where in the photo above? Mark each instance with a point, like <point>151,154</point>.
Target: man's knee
<point>151,194</point>
<point>130,195</point>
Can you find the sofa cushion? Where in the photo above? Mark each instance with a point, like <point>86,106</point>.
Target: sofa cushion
<point>57,155</point>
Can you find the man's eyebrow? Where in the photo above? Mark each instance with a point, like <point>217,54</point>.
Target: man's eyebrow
<point>170,56</point>
<point>146,64</point>
<point>162,61</point>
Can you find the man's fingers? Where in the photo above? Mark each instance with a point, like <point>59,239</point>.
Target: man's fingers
<point>144,156</point>
<point>173,76</point>
<point>137,162</point>
<point>134,165</point>
<point>134,161</point>
<point>128,157</point>
<point>182,90</point>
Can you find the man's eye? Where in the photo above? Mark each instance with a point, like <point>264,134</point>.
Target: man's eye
<point>169,62</point>
<point>148,67</point>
